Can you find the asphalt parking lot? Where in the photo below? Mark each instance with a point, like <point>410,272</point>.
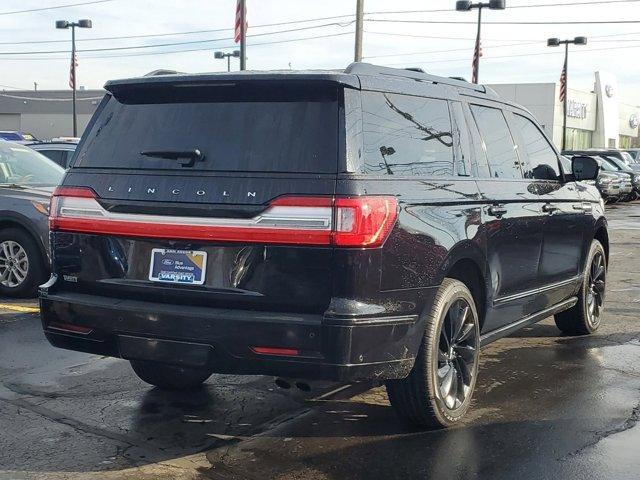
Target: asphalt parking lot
<point>546,406</point>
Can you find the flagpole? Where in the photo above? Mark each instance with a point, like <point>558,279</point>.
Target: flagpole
<point>243,35</point>
<point>566,95</point>
<point>475,76</point>
<point>73,74</point>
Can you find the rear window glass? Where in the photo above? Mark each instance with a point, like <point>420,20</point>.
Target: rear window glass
<point>287,128</point>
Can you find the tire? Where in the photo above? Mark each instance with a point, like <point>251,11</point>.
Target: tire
<point>169,377</point>
<point>22,267</point>
<point>585,316</point>
<point>422,399</point>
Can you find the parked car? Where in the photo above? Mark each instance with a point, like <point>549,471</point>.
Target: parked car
<point>60,152</point>
<point>11,136</point>
<point>375,223</point>
<point>635,154</point>
<point>611,184</point>
<point>27,180</point>
<point>618,161</point>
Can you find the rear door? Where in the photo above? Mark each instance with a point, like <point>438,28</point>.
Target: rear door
<point>566,220</point>
<point>512,219</point>
<point>173,164</point>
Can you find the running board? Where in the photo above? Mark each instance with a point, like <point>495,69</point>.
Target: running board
<point>494,335</point>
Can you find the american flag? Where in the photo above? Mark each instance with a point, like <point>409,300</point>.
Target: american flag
<point>477,53</point>
<point>563,83</point>
<point>72,70</point>
<point>238,32</point>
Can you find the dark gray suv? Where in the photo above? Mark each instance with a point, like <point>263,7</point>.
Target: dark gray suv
<point>27,179</point>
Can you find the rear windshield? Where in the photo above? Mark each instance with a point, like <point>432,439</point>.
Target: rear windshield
<point>234,127</point>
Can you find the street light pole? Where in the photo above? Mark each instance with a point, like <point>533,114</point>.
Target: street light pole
<point>64,24</point>
<point>73,78</point>
<point>465,6</point>
<point>220,55</point>
<point>564,79</point>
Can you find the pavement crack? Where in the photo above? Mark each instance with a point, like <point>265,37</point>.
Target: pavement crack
<point>631,421</point>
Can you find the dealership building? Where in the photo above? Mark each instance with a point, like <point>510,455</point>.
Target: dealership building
<point>46,113</point>
<point>595,119</point>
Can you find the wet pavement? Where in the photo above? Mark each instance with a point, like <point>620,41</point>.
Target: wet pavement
<point>546,406</point>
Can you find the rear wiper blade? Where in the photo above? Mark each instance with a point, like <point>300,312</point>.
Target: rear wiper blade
<point>187,158</point>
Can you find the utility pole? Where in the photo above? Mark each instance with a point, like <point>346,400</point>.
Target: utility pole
<point>243,35</point>
<point>564,79</point>
<point>359,26</point>
<point>35,86</point>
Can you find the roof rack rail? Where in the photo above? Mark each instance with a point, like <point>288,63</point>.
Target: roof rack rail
<point>370,69</point>
<point>161,71</point>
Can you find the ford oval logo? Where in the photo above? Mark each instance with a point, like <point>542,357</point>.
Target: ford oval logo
<point>167,261</point>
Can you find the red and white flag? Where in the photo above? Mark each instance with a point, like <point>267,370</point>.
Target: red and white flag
<point>238,31</point>
<point>563,83</point>
<point>72,70</point>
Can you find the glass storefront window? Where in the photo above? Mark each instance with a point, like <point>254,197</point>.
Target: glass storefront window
<point>629,142</point>
<point>578,139</point>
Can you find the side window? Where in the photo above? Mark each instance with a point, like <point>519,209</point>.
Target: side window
<point>543,161</point>
<point>498,142</point>
<point>462,139</point>
<point>406,135</point>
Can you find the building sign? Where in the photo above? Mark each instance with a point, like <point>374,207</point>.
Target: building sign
<point>634,121</point>
<point>576,109</point>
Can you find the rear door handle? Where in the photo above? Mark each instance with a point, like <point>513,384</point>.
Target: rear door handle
<point>548,208</point>
<point>497,210</point>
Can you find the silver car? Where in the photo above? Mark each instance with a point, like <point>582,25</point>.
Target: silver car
<point>27,180</point>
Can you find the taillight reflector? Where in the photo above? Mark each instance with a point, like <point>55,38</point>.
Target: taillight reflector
<point>363,221</point>
<point>289,352</point>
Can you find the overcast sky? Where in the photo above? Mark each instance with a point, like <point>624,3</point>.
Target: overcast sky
<point>512,53</point>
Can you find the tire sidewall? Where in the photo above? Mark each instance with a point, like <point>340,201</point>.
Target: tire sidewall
<point>452,292</point>
<point>596,247</point>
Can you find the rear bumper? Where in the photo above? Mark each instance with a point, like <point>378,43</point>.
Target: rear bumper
<point>339,349</point>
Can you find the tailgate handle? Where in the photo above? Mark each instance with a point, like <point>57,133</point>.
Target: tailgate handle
<point>187,158</point>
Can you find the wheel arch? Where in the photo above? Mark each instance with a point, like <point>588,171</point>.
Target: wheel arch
<point>602,235</point>
<point>467,263</point>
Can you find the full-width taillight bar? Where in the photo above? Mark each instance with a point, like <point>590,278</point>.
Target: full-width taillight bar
<point>362,221</point>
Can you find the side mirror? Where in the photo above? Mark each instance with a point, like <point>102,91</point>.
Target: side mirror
<point>584,168</point>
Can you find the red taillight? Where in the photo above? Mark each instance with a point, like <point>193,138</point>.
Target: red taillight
<point>364,221</point>
<point>289,220</point>
<point>288,352</point>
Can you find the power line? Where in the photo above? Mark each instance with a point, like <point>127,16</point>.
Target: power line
<point>191,32</point>
<point>290,22</point>
<point>168,52</point>
<point>456,22</point>
<point>539,5</point>
<point>190,42</point>
<point>576,51</point>
<point>54,7</point>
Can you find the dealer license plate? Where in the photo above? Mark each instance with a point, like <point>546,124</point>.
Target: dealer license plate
<point>178,266</point>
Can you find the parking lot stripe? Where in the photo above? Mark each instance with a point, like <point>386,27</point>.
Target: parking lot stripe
<point>18,308</point>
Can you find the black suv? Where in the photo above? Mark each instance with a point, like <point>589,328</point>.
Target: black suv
<point>373,223</point>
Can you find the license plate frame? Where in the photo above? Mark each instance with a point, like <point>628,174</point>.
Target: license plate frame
<point>178,267</point>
